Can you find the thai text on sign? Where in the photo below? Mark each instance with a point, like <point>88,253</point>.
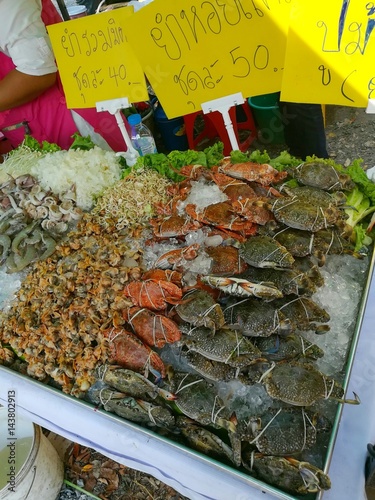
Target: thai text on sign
<point>330,55</point>
<point>196,51</point>
<point>95,60</point>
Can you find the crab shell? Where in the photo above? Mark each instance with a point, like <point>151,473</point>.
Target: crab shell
<point>301,214</point>
<point>173,259</point>
<point>163,275</point>
<point>288,432</point>
<point>128,351</point>
<point>212,370</point>
<point>173,226</point>
<point>141,412</point>
<point>153,295</point>
<point>227,346</point>
<point>225,260</point>
<point>257,318</point>
<point>152,328</point>
<point>198,399</point>
<point>200,309</point>
<point>321,175</point>
<point>263,173</point>
<point>254,210</point>
<point>288,281</point>
<point>221,215</point>
<point>239,287</point>
<point>300,384</point>
<point>319,244</point>
<point>277,348</point>
<point>132,383</point>
<point>264,251</point>
<point>303,312</point>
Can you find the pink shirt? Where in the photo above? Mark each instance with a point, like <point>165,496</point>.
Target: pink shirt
<point>47,116</point>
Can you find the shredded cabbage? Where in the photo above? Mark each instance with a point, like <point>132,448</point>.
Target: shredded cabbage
<point>90,172</point>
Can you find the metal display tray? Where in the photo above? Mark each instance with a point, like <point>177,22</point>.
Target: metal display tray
<point>172,447</point>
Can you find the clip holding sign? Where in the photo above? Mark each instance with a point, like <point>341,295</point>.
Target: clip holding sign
<point>114,107</point>
<point>223,105</point>
<point>370,106</point>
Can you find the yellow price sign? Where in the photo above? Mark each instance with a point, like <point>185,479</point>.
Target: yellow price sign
<point>330,56</point>
<point>95,60</point>
<point>194,52</point>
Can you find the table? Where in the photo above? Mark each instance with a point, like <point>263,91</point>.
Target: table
<point>198,478</point>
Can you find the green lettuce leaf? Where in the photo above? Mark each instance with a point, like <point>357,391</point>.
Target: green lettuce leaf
<point>81,142</point>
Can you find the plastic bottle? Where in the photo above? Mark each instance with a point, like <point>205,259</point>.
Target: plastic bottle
<point>141,136</point>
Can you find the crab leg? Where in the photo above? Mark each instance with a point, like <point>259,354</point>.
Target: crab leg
<point>355,401</point>
<point>263,430</point>
<point>181,387</point>
<point>306,417</point>
<point>273,364</point>
<point>112,395</point>
<point>236,348</point>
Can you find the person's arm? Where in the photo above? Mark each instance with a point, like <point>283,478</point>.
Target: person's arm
<point>19,88</point>
<point>24,39</point>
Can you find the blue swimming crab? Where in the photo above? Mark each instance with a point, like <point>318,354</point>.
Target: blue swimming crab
<point>263,251</point>
<point>227,346</point>
<point>286,473</point>
<point>319,244</point>
<point>131,383</point>
<point>199,308</point>
<point>285,431</point>
<point>300,213</point>
<point>301,384</point>
<point>304,314</point>
<point>198,399</point>
<point>257,318</point>
<point>310,269</point>
<point>322,175</point>
<point>317,195</point>
<point>278,348</point>
<point>279,431</point>
<point>203,440</point>
<point>141,411</point>
<point>240,287</point>
<point>216,371</point>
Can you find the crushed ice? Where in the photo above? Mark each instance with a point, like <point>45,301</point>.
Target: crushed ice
<point>344,281</point>
<point>202,195</point>
<point>10,284</point>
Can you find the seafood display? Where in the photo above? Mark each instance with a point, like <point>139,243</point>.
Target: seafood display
<point>157,322</point>
<point>32,221</point>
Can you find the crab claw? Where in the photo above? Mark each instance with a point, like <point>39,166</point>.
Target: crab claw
<point>229,425</point>
<point>314,479</point>
<point>169,396</point>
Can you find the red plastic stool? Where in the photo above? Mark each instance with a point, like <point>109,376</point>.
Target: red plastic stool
<point>213,126</point>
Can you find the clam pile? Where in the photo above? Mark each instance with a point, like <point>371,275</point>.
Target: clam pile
<point>32,220</point>
<point>231,298</point>
<point>66,303</point>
